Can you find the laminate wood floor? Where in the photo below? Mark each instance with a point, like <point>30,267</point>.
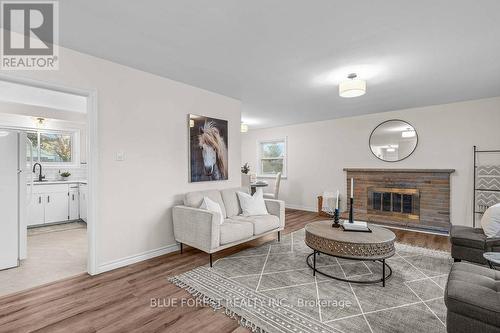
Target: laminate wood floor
<point>119,301</point>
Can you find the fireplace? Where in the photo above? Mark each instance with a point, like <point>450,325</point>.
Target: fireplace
<point>394,201</point>
<point>413,198</point>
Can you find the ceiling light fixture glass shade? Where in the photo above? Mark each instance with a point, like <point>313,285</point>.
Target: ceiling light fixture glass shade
<point>352,87</point>
<point>244,128</point>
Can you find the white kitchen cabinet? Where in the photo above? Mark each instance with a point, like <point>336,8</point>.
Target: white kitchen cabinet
<point>83,201</point>
<point>36,210</point>
<point>56,202</point>
<point>57,207</point>
<point>74,207</point>
<point>49,204</point>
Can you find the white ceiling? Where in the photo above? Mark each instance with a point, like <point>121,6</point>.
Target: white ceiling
<point>283,59</point>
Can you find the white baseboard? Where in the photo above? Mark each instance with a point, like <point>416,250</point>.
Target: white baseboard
<point>300,207</point>
<point>114,264</point>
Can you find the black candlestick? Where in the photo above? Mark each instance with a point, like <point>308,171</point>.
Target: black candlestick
<point>351,217</point>
<point>336,223</point>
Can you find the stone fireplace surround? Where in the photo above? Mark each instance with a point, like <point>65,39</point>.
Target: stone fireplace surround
<point>429,188</point>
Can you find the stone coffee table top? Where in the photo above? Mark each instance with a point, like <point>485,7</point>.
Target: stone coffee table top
<point>375,245</point>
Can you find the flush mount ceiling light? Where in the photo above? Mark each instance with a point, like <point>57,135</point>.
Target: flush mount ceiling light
<point>391,148</point>
<point>3,133</point>
<point>408,133</point>
<point>366,71</point>
<point>39,122</point>
<point>244,128</point>
<point>352,87</point>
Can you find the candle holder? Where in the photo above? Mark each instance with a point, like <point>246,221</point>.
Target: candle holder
<point>351,217</point>
<point>336,223</point>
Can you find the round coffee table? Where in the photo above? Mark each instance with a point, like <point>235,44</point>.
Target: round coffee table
<point>377,245</point>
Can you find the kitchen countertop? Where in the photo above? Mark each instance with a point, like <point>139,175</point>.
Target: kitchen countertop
<point>55,182</point>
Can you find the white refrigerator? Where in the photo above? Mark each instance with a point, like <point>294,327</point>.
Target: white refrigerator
<point>13,197</point>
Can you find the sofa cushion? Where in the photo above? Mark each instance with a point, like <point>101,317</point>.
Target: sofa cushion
<point>261,223</point>
<point>212,206</point>
<point>231,201</point>
<point>194,199</point>
<point>468,237</point>
<point>233,231</point>
<point>252,205</point>
<point>473,291</point>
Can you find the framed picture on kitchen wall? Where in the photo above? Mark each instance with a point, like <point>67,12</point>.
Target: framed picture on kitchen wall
<point>208,149</point>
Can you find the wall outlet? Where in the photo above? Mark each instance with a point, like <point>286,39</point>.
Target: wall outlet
<point>120,156</point>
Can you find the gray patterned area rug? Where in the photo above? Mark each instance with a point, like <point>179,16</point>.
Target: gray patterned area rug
<point>270,288</point>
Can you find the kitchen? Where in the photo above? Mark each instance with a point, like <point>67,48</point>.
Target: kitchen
<point>43,186</point>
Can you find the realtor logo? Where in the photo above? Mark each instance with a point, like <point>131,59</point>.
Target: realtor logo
<point>29,35</point>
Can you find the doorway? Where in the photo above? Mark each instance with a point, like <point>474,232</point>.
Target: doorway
<point>56,221</point>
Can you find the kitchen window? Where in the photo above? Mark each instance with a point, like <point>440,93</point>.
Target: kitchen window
<point>53,147</point>
<point>272,158</point>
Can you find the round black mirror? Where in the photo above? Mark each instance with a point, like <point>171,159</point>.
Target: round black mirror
<point>393,140</point>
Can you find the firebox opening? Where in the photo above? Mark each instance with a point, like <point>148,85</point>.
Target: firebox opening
<point>402,202</point>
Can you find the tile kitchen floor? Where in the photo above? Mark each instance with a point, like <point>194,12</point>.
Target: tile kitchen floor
<point>54,252</point>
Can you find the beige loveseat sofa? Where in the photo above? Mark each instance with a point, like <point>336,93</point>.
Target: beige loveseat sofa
<point>200,228</point>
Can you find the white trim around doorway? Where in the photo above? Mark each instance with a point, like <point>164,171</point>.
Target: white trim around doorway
<point>92,156</point>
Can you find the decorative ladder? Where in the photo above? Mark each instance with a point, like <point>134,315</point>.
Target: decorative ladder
<point>486,183</point>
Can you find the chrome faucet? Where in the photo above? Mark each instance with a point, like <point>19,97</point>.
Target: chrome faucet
<point>40,177</point>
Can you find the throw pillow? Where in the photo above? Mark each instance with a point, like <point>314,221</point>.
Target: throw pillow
<point>491,221</point>
<point>210,205</point>
<point>252,204</point>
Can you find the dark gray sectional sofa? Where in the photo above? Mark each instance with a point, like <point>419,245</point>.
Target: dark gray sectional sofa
<point>472,297</point>
<point>470,243</point>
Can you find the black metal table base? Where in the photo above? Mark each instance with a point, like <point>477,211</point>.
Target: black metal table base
<point>383,279</point>
<point>492,266</point>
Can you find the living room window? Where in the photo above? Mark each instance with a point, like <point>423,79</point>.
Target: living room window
<point>53,147</point>
<point>272,158</point>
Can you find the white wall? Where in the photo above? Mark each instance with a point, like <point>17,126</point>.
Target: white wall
<point>318,151</point>
<point>145,116</point>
